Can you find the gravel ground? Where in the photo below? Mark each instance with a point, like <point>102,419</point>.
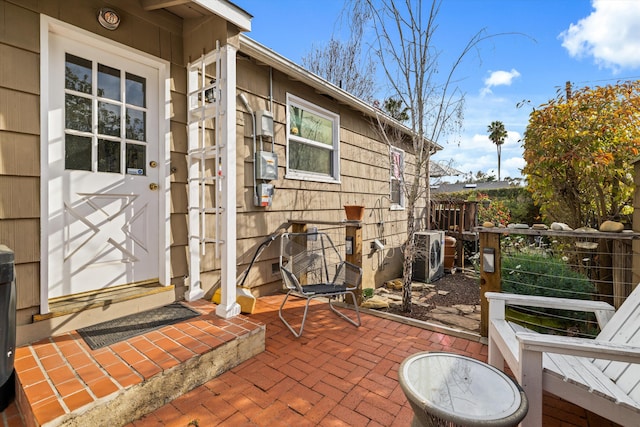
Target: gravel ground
<point>462,288</point>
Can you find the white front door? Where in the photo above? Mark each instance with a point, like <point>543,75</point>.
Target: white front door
<point>103,155</point>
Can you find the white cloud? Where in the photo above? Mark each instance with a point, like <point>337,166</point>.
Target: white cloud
<point>482,143</point>
<point>512,167</point>
<point>611,34</point>
<point>471,150</point>
<point>499,78</point>
<point>476,153</point>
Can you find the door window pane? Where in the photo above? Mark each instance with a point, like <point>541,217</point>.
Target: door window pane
<point>136,90</point>
<point>77,152</point>
<point>109,119</point>
<point>108,82</point>
<point>136,159</point>
<point>77,113</point>
<point>108,156</point>
<point>136,124</point>
<point>95,117</point>
<point>77,74</point>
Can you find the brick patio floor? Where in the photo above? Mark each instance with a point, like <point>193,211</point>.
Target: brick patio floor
<point>334,375</point>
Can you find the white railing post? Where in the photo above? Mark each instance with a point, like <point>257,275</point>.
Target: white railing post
<point>228,306</point>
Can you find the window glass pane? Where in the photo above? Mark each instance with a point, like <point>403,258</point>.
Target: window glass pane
<point>305,157</point>
<point>108,82</point>
<point>136,159</point>
<point>136,90</point>
<point>136,125</point>
<point>397,170</point>
<point>77,113</point>
<point>396,166</point>
<point>108,119</point>
<point>77,152</point>
<point>77,74</point>
<point>108,156</point>
<point>310,126</point>
<point>395,192</point>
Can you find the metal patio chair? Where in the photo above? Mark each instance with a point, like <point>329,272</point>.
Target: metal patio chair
<point>312,267</point>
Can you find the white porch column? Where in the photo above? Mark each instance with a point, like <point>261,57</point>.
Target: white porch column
<point>228,306</point>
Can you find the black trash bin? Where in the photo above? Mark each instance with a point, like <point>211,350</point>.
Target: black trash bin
<point>7,326</point>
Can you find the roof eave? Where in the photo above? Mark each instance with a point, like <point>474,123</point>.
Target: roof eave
<point>229,11</point>
<point>278,62</point>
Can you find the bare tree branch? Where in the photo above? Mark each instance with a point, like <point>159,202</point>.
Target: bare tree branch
<point>344,63</point>
<point>405,48</point>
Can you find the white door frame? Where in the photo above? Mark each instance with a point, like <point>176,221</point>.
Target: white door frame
<point>50,25</point>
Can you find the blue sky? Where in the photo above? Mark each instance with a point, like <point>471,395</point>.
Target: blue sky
<point>588,43</point>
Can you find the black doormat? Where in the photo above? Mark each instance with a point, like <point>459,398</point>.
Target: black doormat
<point>113,331</point>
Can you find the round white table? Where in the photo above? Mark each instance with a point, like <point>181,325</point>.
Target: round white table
<point>447,389</point>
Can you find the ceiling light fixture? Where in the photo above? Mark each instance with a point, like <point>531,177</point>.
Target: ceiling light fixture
<point>108,18</point>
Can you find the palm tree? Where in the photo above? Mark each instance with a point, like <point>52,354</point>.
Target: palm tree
<point>497,134</point>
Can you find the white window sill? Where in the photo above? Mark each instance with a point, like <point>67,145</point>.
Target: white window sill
<point>312,178</point>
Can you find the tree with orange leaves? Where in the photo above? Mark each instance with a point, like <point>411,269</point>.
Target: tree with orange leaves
<point>579,149</point>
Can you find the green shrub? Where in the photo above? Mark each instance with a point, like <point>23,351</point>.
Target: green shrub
<point>544,275</point>
<point>539,274</point>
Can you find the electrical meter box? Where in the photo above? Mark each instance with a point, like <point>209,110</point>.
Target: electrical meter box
<point>266,165</point>
<point>265,195</point>
<point>264,122</point>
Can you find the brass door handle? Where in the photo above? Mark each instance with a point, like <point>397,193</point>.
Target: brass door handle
<point>153,164</point>
<point>153,186</point>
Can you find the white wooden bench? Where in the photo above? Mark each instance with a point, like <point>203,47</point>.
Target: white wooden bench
<point>601,374</point>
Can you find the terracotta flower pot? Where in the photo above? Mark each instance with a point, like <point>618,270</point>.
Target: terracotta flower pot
<point>354,212</point>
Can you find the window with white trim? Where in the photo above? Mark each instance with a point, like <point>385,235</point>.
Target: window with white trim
<point>105,118</point>
<point>397,177</point>
<point>313,142</point>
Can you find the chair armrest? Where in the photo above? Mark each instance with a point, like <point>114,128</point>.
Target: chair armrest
<point>352,265</point>
<point>583,347</point>
<point>550,302</point>
<point>353,272</point>
<point>601,309</point>
<point>289,279</point>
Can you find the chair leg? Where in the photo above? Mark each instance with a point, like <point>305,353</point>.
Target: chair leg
<point>297,334</point>
<point>287,324</point>
<point>495,358</point>
<point>530,379</point>
<point>344,316</point>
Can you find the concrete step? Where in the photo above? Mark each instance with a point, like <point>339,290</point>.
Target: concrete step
<point>78,311</point>
<point>206,347</point>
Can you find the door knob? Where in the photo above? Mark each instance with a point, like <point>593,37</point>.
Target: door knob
<point>153,164</point>
<point>153,186</point>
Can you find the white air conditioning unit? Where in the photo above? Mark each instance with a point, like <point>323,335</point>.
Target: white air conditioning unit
<point>428,263</point>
